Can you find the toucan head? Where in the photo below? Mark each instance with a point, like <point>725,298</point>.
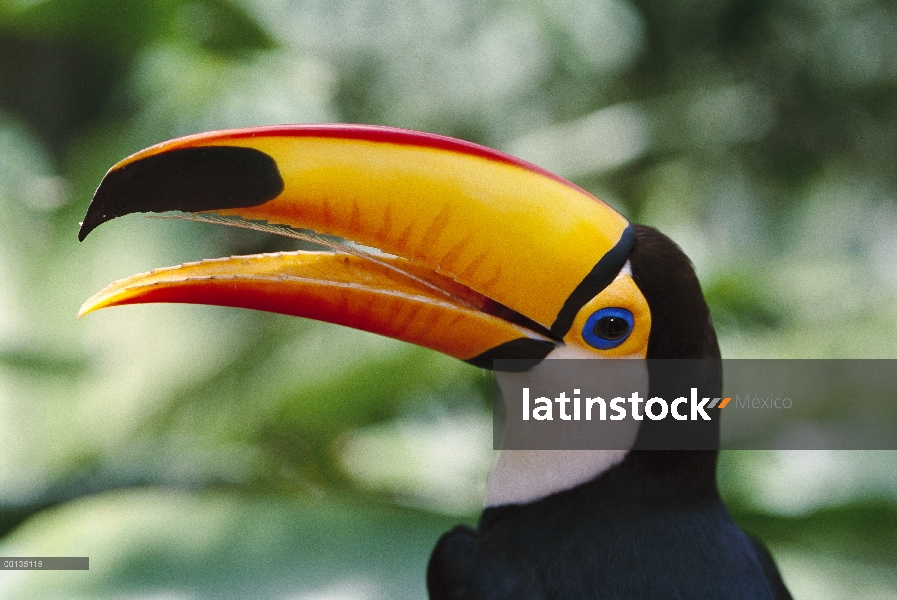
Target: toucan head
<point>448,245</point>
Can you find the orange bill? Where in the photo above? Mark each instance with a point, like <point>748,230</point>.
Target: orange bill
<point>501,254</point>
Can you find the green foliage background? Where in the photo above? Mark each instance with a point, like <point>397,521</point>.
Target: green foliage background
<point>195,452</point>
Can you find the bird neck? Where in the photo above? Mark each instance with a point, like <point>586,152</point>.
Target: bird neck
<point>524,476</point>
<point>527,476</point>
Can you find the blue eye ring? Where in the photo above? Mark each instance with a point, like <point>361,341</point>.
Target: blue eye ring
<point>608,328</point>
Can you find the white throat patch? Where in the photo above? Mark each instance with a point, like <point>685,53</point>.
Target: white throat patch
<point>523,476</point>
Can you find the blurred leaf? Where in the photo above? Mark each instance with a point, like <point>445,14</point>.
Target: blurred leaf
<point>226,545</point>
<point>63,63</point>
<point>124,26</point>
<point>739,299</point>
<point>222,26</point>
<point>862,529</point>
<point>48,362</point>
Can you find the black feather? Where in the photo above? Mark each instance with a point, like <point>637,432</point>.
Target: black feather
<point>652,527</point>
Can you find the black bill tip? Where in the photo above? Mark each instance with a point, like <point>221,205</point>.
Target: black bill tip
<point>186,179</point>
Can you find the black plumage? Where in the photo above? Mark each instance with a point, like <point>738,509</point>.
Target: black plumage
<point>653,526</point>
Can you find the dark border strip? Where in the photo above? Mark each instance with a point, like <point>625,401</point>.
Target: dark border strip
<point>601,275</point>
<point>526,352</point>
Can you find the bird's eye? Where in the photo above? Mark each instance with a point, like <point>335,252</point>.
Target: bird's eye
<point>608,328</point>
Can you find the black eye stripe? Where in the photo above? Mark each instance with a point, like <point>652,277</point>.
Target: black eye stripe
<point>601,276</point>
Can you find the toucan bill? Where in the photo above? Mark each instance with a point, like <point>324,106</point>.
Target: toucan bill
<point>482,255</point>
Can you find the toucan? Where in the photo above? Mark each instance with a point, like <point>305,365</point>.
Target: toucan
<point>482,256</point>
